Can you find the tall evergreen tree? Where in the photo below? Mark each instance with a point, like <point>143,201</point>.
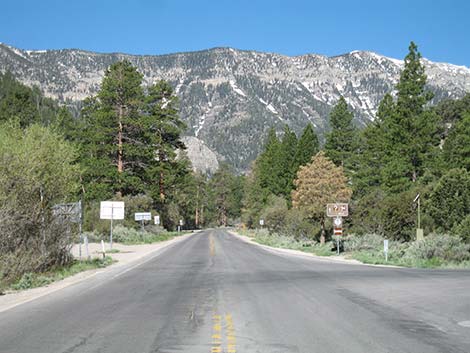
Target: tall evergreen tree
<point>268,165</point>
<point>129,138</point>
<point>287,163</point>
<point>307,147</point>
<point>373,149</point>
<point>415,131</point>
<point>341,142</point>
<point>162,129</point>
<point>404,140</point>
<point>456,150</point>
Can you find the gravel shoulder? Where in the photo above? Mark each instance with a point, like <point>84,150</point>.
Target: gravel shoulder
<point>127,257</point>
<point>297,253</point>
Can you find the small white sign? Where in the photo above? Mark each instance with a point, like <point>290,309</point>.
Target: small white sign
<point>143,216</point>
<point>156,220</point>
<point>338,221</point>
<point>112,210</point>
<point>385,245</point>
<point>261,222</point>
<point>181,222</point>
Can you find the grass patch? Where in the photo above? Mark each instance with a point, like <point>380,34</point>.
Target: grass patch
<point>284,242</point>
<point>113,251</point>
<point>33,280</point>
<point>436,251</point>
<point>130,236</point>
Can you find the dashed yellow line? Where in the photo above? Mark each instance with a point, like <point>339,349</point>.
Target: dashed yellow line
<point>219,335</point>
<point>212,245</point>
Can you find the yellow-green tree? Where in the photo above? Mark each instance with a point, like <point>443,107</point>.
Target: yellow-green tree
<point>318,183</point>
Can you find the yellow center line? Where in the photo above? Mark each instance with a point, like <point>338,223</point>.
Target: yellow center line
<point>212,245</point>
<point>219,335</point>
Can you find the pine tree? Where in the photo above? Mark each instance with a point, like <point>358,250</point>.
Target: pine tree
<point>129,138</point>
<point>456,150</point>
<point>287,164</point>
<point>227,193</point>
<point>412,132</point>
<point>162,129</point>
<point>307,147</point>
<point>341,142</point>
<point>268,165</point>
<point>373,149</point>
<point>319,183</point>
<point>403,142</point>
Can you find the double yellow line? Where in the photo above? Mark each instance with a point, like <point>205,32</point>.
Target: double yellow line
<point>218,334</point>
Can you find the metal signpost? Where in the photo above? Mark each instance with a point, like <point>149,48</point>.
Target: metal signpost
<point>111,210</point>
<point>386,249</point>
<point>70,213</point>
<point>180,224</point>
<point>261,222</point>
<point>419,230</point>
<point>337,211</point>
<point>142,217</point>
<point>156,220</point>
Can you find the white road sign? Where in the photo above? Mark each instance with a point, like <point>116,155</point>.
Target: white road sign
<point>385,245</point>
<point>112,210</point>
<point>143,216</point>
<point>261,222</point>
<point>156,220</point>
<point>338,222</point>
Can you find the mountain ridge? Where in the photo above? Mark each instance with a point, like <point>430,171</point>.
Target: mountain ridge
<point>230,97</point>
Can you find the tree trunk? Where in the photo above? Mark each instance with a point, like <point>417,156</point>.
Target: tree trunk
<point>197,208</point>
<point>202,214</point>
<point>322,235</point>
<point>162,186</point>
<point>120,164</point>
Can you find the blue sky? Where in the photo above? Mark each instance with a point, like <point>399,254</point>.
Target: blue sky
<point>292,27</point>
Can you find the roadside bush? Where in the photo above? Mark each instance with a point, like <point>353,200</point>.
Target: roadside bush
<point>363,242</point>
<point>37,171</point>
<point>298,226</point>
<point>463,230</point>
<point>449,201</point>
<point>125,235</point>
<point>274,214</point>
<point>92,222</point>
<point>438,246</point>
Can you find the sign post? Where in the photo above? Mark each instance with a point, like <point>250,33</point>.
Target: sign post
<point>337,211</point>
<point>111,210</point>
<point>261,222</point>
<point>180,224</point>
<point>419,230</point>
<point>386,249</point>
<point>70,213</point>
<point>142,217</point>
<point>156,220</point>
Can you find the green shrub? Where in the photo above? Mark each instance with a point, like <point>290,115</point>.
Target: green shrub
<point>445,248</point>
<point>125,235</point>
<point>449,201</point>
<point>298,226</point>
<point>463,230</point>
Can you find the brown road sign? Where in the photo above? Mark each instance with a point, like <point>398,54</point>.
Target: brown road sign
<point>337,210</point>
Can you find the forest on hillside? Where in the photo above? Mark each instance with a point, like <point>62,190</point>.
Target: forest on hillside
<point>126,145</point>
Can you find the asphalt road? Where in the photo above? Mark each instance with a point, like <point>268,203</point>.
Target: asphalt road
<point>214,293</point>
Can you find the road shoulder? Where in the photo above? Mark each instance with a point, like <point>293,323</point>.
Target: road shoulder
<point>129,256</point>
<point>302,254</point>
